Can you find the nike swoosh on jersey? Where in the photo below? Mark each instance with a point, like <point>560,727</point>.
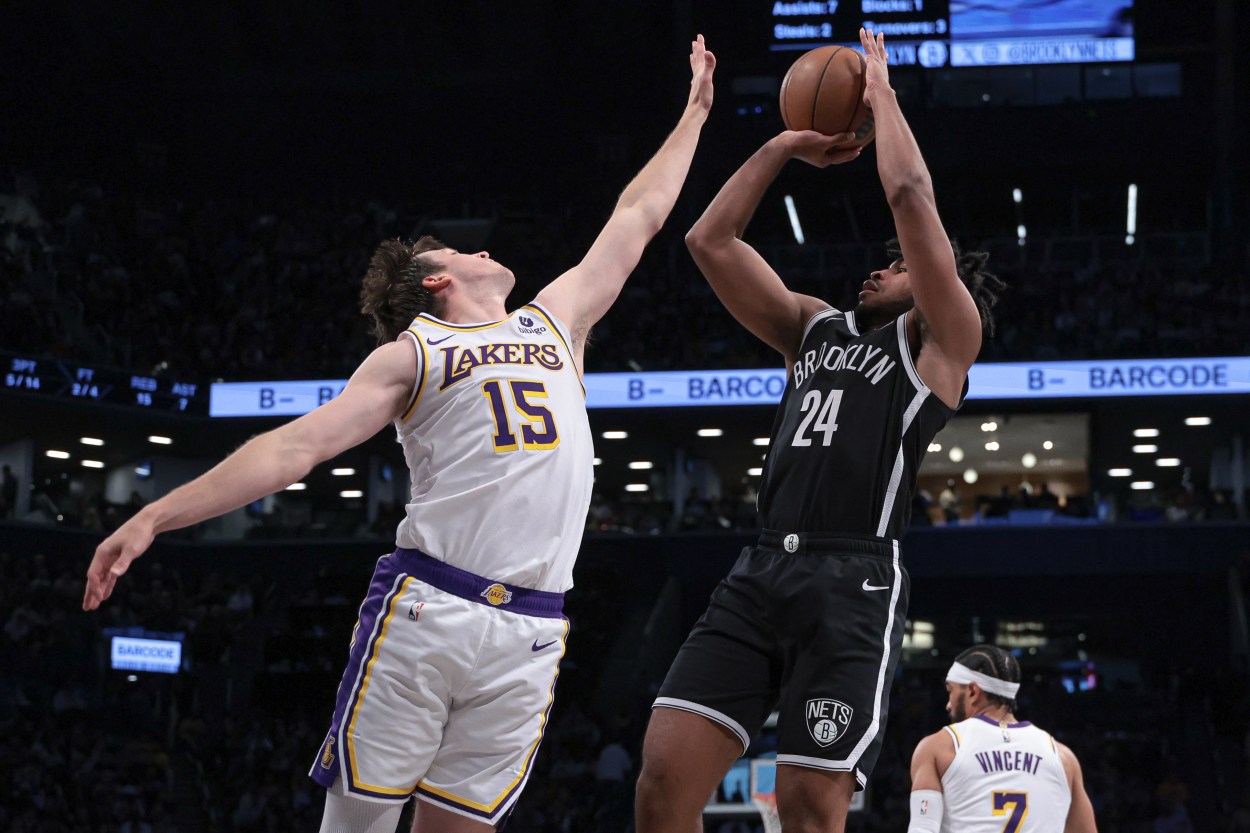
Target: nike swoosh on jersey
<point>538,647</point>
<point>433,341</point>
<point>871,587</point>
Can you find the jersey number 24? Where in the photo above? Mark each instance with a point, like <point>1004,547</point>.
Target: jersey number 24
<point>824,413</point>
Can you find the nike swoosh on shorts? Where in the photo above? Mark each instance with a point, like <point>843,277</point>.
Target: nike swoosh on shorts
<point>538,647</point>
<point>870,587</point>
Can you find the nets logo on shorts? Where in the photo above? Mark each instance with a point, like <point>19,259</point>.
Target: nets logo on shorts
<point>827,719</point>
<point>497,595</point>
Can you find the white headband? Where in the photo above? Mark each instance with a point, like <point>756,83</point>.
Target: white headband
<point>963,675</point>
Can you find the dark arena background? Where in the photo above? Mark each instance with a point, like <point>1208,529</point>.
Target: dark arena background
<point>189,195</point>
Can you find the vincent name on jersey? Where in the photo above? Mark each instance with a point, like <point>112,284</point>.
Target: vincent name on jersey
<point>459,363</point>
<point>1017,761</point>
<point>873,362</point>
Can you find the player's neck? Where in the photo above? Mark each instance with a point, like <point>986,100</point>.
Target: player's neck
<point>999,714</point>
<point>466,310</point>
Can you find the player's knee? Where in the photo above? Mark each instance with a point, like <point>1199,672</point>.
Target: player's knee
<point>660,794</point>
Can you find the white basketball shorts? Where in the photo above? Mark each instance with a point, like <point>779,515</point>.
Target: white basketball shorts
<point>447,689</point>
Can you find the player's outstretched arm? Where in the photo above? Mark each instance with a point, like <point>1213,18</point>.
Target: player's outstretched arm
<point>1080,811</point>
<point>753,293</point>
<point>950,315</point>
<point>376,394</point>
<point>582,295</point>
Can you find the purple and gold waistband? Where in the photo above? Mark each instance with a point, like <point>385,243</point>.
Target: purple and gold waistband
<point>474,588</point>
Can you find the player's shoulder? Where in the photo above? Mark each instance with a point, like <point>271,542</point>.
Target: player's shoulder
<point>943,742</point>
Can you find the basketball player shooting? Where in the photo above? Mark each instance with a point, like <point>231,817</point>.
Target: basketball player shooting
<point>811,619</point>
<point>988,772</point>
<point>491,414</point>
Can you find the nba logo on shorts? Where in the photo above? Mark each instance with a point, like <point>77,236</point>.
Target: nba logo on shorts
<point>827,719</point>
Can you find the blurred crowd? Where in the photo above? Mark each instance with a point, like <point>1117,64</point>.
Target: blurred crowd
<point>249,288</point>
<point>223,745</point>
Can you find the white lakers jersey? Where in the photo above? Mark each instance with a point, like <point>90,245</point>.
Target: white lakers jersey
<point>499,449</point>
<point>1006,778</point>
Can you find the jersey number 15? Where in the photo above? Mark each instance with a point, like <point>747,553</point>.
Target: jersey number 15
<point>538,426</point>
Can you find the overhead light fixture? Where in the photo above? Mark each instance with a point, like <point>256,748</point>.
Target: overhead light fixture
<point>760,441</point>
<point>1145,448</point>
<point>1048,445</point>
<point>794,220</point>
<point>345,472</point>
<point>1141,485</point>
<point>1029,460</point>
<point>1145,432</point>
<point>637,487</point>
<point>144,470</point>
<point>92,464</point>
<point>1120,472</point>
<point>296,487</point>
<point>57,455</point>
<point>934,448</point>
<point>1168,462</point>
<point>156,439</point>
<point>350,493</point>
<point>1197,421</point>
<point>989,425</point>
<point>1017,196</point>
<point>1130,225</point>
<point>992,445</point>
<point>956,454</point>
<point>91,441</point>
<point>1022,235</point>
<point>597,461</point>
<point>641,465</point>
<point>755,472</point>
<point>970,476</point>
<point>614,435</point>
<point>710,432</point>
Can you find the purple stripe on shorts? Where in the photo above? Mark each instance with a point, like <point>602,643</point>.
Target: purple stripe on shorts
<point>475,588</point>
<point>384,581</point>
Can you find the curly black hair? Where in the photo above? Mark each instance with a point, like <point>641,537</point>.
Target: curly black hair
<point>984,286</point>
<point>992,661</point>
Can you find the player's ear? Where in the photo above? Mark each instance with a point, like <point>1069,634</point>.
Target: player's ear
<point>436,283</point>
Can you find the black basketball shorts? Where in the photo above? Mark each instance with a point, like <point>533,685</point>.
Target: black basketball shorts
<point>810,624</point>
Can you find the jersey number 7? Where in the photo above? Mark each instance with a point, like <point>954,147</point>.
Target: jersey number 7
<point>1015,803</point>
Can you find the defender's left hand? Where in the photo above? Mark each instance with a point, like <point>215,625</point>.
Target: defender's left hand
<point>702,64</point>
<point>875,60</point>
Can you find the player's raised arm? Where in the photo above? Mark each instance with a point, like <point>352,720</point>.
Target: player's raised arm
<point>950,315</point>
<point>745,283</point>
<point>376,394</point>
<point>583,294</point>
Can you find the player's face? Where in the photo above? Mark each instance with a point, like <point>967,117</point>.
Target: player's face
<point>957,702</point>
<point>475,267</point>
<point>887,287</point>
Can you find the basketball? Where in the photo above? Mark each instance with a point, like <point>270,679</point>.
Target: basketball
<point>824,91</point>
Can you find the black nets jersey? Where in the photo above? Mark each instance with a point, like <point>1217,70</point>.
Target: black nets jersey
<point>854,424</point>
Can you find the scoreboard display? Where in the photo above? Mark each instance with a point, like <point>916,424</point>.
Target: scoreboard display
<point>964,33</point>
<point>67,380</point>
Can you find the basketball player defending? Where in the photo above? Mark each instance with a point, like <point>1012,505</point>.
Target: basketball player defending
<point>988,772</point>
<point>811,619</point>
<point>454,658</point>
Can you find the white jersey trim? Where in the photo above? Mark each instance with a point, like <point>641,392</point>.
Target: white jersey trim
<point>816,319</point>
<point>896,475</point>
<point>904,347</point>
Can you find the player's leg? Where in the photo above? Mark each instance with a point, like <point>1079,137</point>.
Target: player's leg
<point>718,692</point>
<point>813,800</point>
<point>832,714</point>
<point>685,755</point>
<point>347,813</point>
<point>430,818</point>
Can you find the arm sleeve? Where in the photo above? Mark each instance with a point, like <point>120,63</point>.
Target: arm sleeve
<point>926,811</point>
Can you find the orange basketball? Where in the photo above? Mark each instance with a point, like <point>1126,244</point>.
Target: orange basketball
<point>824,91</point>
